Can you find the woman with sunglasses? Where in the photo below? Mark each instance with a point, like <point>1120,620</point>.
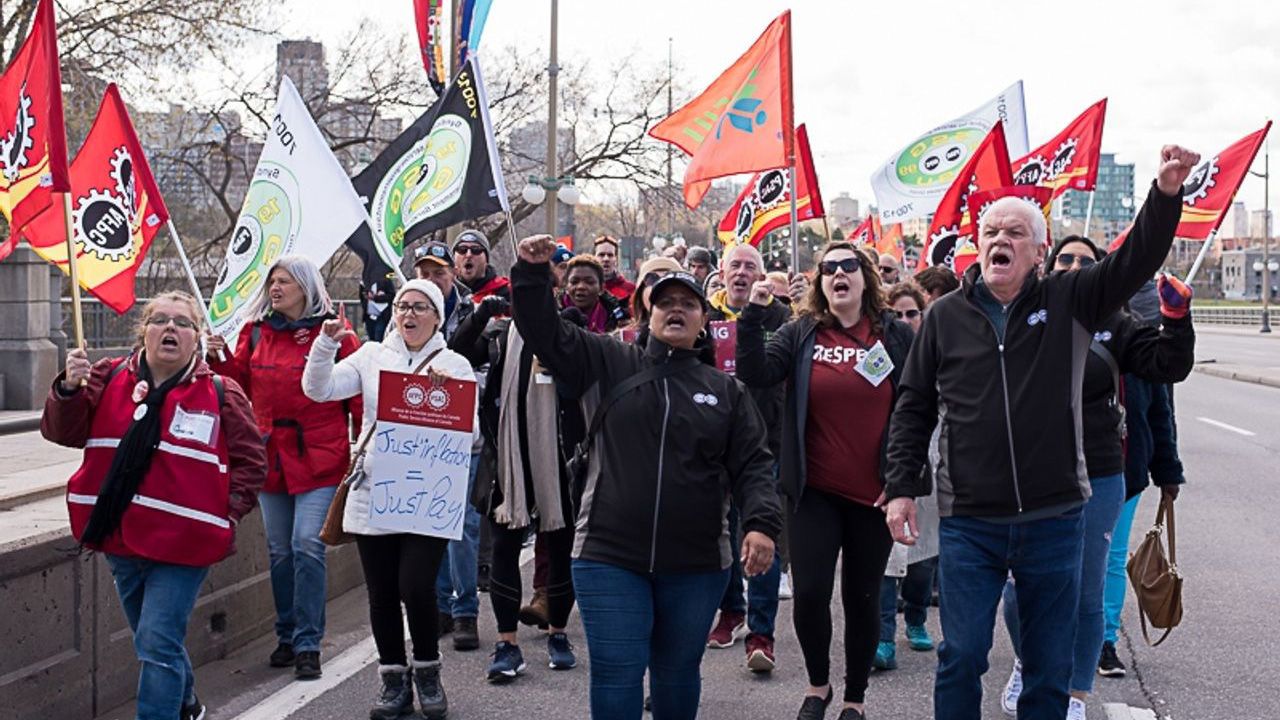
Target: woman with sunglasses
<point>399,567</point>
<point>308,446</point>
<point>172,463</point>
<point>841,360</point>
<point>1123,345</point>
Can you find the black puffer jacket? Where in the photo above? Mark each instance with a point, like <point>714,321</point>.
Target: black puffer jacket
<point>669,452</point>
<point>788,357</point>
<point>1010,403</point>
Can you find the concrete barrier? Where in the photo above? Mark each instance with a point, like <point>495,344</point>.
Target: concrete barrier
<point>68,651</point>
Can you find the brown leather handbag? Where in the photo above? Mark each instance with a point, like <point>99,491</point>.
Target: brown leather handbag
<point>1155,578</point>
<point>331,533</point>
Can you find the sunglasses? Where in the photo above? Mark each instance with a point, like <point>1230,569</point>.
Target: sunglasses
<point>888,269</point>
<point>418,308</point>
<point>906,314</point>
<point>468,250</point>
<point>178,321</point>
<point>849,265</point>
<point>1068,259</point>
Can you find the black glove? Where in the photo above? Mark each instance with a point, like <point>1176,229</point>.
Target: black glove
<point>574,315</point>
<point>493,306</point>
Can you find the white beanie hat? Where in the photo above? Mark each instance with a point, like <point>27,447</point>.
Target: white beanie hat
<point>428,288</point>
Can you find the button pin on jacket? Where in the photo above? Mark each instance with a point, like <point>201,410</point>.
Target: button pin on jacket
<point>1037,317</point>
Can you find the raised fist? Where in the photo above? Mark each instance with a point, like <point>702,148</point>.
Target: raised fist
<point>1176,163</point>
<point>536,249</point>
<point>762,292</point>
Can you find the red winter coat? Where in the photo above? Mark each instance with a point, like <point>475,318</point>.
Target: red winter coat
<point>308,443</point>
<point>199,483</point>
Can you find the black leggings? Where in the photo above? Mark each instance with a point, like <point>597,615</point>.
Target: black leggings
<point>504,580</point>
<point>823,525</point>
<point>402,568</point>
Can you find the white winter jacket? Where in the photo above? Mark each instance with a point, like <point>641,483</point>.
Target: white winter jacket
<point>358,373</point>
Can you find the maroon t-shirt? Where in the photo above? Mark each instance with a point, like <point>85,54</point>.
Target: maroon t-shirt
<point>847,416</point>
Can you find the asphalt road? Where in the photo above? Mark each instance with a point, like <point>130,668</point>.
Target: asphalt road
<point>1238,346</point>
<point>1218,665</point>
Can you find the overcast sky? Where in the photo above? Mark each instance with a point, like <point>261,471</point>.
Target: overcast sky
<point>870,76</point>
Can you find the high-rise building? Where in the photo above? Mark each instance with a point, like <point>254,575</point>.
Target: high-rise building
<point>1113,202</point>
<point>844,211</point>
<point>303,62</point>
<point>1235,225</point>
<point>1261,224</point>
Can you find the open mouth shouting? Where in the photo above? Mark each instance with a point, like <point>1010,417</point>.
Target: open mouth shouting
<point>841,287</point>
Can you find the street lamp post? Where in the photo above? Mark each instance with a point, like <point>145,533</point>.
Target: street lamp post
<point>1266,238</point>
<point>553,72</point>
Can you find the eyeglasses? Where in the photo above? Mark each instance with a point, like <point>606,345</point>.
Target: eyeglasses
<point>849,265</point>
<point>1069,259</point>
<point>177,320</point>
<point>906,314</point>
<point>468,250</point>
<point>418,308</point>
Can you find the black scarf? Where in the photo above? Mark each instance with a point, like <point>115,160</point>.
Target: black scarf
<point>132,458</point>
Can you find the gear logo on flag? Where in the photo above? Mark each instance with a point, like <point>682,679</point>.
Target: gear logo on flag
<point>942,246</point>
<point>102,227</point>
<point>126,185</point>
<point>1032,171</point>
<point>16,143</point>
<point>771,189</point>
<point>1197,186</point>
<point>1062,159</point>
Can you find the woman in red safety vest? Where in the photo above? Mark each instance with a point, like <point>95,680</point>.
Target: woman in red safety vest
<point>172,462</point>
<point>308,446</point>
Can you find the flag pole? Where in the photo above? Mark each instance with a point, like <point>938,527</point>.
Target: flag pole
<point>511,230</point>
<point>826,228</point>
<point>1204,250</point>
<point>1088,214</point>
<point>77,318</point>
<point>795,225</point>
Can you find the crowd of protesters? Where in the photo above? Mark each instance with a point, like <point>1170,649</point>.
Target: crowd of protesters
<point>976,439</point>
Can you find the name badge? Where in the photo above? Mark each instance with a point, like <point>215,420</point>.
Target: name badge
<point>196,426</point>
<point>876,365</point>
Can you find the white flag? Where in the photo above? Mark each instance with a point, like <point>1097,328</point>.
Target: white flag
<point>913,180</point>
<point>299,202</point>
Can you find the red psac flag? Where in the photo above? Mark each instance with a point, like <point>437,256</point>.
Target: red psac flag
<point>1209,190</point>
<point>116,209</point>
<point>743,121</point>
<point>865,233</point>
<point>1070,160</point>
<point>952,226</point>
<point>764,205</point>
<point>33,143</point>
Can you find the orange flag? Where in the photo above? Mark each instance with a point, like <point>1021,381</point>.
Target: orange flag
<point>743,121</point>
<point>33,143</point>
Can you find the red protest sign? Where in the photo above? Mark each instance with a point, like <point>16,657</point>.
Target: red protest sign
<point>415,400</point>
<point>725,334</point>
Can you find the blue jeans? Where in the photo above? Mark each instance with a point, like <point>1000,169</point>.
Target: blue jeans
<point>635,621</point>
<point>760,602</point>
<point>975,559</point>
<point>1117,575</point>
<point>158,599</point>
<point>917,593</point>
<point>293,524</point>
<point>456,592</point>
<point>1099,521</point>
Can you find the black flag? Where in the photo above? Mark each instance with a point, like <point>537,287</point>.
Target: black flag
<point>441,170</point>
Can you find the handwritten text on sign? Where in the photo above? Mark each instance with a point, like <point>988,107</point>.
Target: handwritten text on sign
<point>420,455</point>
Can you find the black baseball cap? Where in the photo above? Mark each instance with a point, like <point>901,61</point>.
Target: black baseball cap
<point>434,251</point>
<point>677,278</point>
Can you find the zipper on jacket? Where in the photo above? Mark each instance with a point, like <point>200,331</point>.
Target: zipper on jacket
<point>1008,416</point>
<point>662,451</point>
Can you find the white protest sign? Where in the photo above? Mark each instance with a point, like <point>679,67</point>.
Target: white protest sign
<point>420,456</point>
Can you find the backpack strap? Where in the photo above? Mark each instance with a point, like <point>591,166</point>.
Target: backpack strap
<point>648,375</point>
<point>221,390</point>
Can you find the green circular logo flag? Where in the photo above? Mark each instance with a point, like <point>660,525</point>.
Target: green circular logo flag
<point>933,161</point>
<point>266,229</point>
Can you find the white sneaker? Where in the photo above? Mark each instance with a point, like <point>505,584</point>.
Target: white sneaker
<point>1012,691</point>
<point>1075,710</point>
<point>784,586</point>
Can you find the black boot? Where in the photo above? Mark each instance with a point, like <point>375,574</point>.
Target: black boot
<point>431,698</point>
<point>395,700</point>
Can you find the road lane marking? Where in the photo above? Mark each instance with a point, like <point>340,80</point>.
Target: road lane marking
<point>1224,426</point>
<point>297,695</point>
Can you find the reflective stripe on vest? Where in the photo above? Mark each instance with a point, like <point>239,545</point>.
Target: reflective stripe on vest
<point>160,505</point>
<point>164,446</point>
